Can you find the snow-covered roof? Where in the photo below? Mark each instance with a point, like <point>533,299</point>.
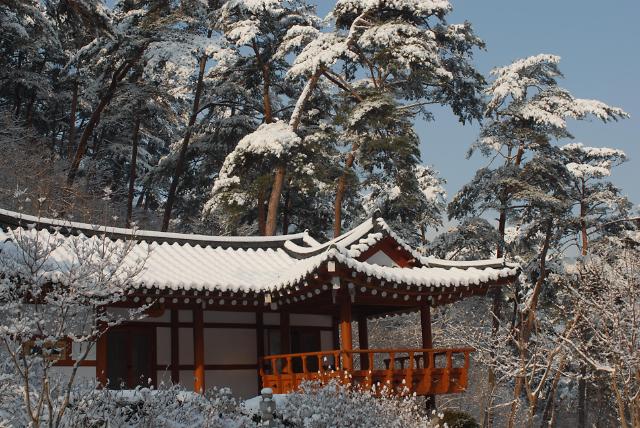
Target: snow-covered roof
<point>257,265</point>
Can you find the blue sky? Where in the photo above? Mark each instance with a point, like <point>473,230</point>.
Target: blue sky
<point>599,45</point>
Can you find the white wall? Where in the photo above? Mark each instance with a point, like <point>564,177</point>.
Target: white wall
<point>381,258</point>
<point>84,374</point>
<point>185,345</point>
<point>163,346</point>
<point>230,346</point>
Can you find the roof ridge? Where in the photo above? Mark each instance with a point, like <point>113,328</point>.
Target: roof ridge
<point>16,219</point>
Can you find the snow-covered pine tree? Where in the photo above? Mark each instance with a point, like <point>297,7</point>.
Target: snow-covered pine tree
<point>597,200</point>
<point>256,178</point>
<point>526,111</point>
<point>396,58</point>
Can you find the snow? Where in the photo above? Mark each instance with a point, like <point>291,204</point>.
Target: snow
<point>418,7</point>
<point>275,139</point>
<point>148,235</point>
<point>193,266</point>
<point>591,162</point>
<point>512,80</point>
<point>244,32</point>
<point>323,51</point>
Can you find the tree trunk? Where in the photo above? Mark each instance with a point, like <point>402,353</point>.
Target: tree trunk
<point>72,120</point>
<point>266,84</point>
<point>118,75</point>
<point>548,414</point>
<point>582,397</point>
<point>182,154</point>
<point>530,311</point>
<point>274,200</point>
<point>583,222</point>
<point>29,118</point>
<point>132,171</point>
<point>341,190</point>
<point>280,172</point>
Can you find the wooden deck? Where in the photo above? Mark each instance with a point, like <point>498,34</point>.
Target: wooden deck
<point>402,371</point>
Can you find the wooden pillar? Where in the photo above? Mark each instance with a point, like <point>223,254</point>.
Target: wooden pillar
<point>425,322</point>
<point>345,329</point>
<point>427,343</point>
<point>363,340</point>
<point>259,344</point>
<point>175,347</point>
<point>285,333</point>
<point>198,350</point>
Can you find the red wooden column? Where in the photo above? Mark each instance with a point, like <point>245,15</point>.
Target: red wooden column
<point>425,323</point>
<point>346,339</point>
<point>198,350</point>
<point>363,340</point>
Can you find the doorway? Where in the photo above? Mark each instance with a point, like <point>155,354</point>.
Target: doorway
<point>130,357</point>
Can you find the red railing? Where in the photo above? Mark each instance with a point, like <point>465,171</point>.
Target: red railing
<point>400,371</point>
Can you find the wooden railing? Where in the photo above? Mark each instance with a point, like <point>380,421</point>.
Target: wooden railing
<point>398,371</point>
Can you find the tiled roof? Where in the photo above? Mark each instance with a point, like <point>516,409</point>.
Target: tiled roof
<point>257,264</point>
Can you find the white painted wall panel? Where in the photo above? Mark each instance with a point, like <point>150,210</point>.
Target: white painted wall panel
<point>163,346</point>
<point>185,315</point>
<point>185,345</point>
<point>381,258</point>
<point>271,318</point>
<point>84,374</point>
<point>78,349</point>
<point>310,320</point>
<point>243,383</point>
<point>230,346</point>
<point>187,379</point>
<point>230,317</point>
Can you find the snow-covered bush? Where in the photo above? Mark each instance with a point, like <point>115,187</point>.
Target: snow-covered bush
<point>170,407</point>
<point>333,405</point>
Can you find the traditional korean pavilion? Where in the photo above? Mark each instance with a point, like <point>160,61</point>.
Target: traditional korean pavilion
<point>253,312</point>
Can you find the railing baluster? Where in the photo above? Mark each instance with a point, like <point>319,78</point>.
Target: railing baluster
<point>409,378</point>
<point>304,368</point>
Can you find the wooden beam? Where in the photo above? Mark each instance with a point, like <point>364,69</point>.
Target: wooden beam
<point>363,340</point>
<point>285,333</point>
<point>198,350</point>
<point>346,339</point>
<point>175,347</point>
